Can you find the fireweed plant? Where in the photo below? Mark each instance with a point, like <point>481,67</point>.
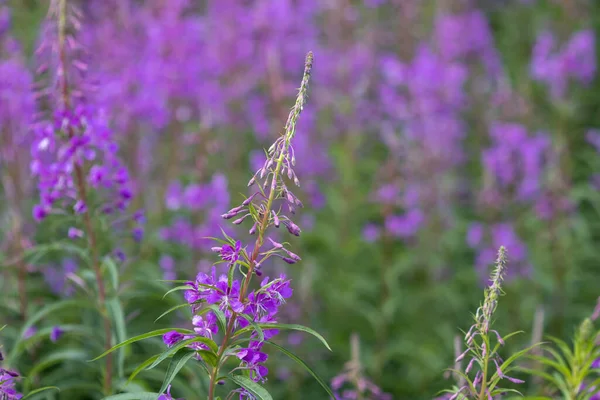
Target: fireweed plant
<point>231,321</point>
<point>84,191</point>
<point>574,371</point>
<point>482,343</point>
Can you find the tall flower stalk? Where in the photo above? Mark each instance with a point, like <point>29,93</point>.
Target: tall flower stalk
<point>64,66</point>
<point>281,159</point>
<point>74,155</point>
<point>483,342</point>
<point>245,319</point>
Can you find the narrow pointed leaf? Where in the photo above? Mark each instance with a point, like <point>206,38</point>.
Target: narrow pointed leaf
<point>305,366</point>
<point>141,367</point>
<point>288,327</point>
<point>177,288</point>
<point>146,335</point>
<point>177,362</point>
<point>254,388</point>
<point>168,353</point>
<point>113,272</point>
<point>40,390</point>
<point>115,310</point>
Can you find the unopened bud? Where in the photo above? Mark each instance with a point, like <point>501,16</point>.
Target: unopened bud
<point>249,199</point>
<point>293,228</point>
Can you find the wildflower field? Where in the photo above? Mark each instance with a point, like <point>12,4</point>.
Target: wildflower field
<point>299,199</point>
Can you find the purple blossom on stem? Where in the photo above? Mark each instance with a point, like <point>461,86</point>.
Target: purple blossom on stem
<point>172,338</point>
<point>7,385</point>
<point>575,60</point>
<point>56,333</point>
<point>88,140</point>
<point>236,302</point>
<point>230,253</point>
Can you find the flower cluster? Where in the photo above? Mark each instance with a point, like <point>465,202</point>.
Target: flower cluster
<point>7,384</point>
<point>421,99</point>
<point>261,306</point>
<point>517,166</point>
<point>575,60</point>
<point>466,35</point>
<point>78,139</point>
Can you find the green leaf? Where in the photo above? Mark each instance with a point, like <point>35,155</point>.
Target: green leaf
<point>541,374</point>
<point>564,348</point>
<point>221,320</point>
<point>177,288</point>
<point>563,366</point>
<point>141,367</point>
<point>113,272</point>
<point>134,396</point>
<point>305,366</point>
<point>170,310</point>
<point>254,388</point>
<point>146,335</point>
<point>506,364</point>
<point>115,310</point>
<point>258,329</point>
<point>209,357</point>
<point>177,362</point>
<point>288,327</point>
<point>500,391</point>
<point>169,352</point>
<point>505,338</point>
<point>230,274</point>
<point>215,239</point>
<point>40,390</point>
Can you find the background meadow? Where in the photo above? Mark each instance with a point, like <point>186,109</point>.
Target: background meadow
<point>435,131</point>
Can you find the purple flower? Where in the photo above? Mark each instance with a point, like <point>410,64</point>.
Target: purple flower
<point>202,287</point>
<point>173,337</point>
<point>167,395</point>
<point>371,233</point>
<point>227,297</point>
<point>32,330</point>
<point>406,225</point>
<point>230,253</point>
<point>56,333</point>
<point>75,233</point>
<point>167,264</point>
<point>576,60</point>
<point>7,385</point>
<point>75,139</point>
<point>205,325</point>
<point>252,358</point>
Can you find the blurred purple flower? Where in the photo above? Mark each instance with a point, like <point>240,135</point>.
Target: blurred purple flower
<point>56,333</point>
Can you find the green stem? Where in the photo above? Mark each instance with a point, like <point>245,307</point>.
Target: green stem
<point>486,361</point>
